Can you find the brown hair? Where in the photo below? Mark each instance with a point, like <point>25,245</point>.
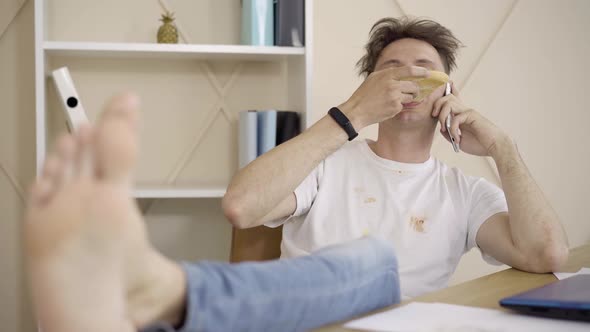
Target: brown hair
<point>388,30</point>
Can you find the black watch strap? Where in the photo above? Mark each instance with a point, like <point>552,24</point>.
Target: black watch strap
<point>343,122</point>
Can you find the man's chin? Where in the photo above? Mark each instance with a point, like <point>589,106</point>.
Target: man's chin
<point>411,114</point>
<point>415,119</point>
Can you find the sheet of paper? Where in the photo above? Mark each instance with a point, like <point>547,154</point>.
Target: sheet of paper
<point>440,317</point>
<point>564,275</point>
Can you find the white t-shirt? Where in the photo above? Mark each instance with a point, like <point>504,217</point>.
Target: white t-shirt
<point>431,213</point>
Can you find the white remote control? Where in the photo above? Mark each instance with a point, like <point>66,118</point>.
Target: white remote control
<point>73,109</point>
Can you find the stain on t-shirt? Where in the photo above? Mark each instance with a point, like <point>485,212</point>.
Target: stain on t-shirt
<point>417,224</point>
<point>370,200</point>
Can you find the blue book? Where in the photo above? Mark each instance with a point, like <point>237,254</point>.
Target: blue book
<point>267,131</point>
<point>258,22</point>
<point>247,145</point>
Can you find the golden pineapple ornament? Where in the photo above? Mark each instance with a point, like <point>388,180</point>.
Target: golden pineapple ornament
<point>167,33</point>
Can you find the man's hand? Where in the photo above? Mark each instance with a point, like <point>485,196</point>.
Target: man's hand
<point>530,236</point>
<point>381,95</point>
<point>473,133</point>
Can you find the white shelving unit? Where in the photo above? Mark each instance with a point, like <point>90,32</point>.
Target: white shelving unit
<point>171,51</point>
<point>45,49</point>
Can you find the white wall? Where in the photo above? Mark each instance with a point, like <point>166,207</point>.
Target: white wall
<point>17,139</point>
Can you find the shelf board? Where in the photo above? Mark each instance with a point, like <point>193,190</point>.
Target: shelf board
<point>172,191</point>
<point>170,51</point>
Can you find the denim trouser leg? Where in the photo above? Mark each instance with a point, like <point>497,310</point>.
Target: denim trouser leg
<point>296,294</point>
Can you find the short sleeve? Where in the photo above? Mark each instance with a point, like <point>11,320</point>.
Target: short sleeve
<point>486,200</point>
<point>305,195</point>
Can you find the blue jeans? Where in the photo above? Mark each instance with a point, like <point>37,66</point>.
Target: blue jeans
<point>298,294</point>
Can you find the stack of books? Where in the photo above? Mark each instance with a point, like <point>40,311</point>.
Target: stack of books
<point>260,131</point>
<point>273,22</point>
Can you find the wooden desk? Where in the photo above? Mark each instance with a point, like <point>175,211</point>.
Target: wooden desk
<point>486,291</point>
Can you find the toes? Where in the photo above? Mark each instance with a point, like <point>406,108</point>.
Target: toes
<point>46,182</point>
<point>41,191</point>
<point>116,138</point>
<point>54,171</point>
<point>51,167</point>
<point>84,160</point>
<point>125,107</point>
<point>66,151</point>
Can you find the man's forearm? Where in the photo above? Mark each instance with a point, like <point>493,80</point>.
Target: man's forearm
<point>534,225</point>
<point>263,184</point>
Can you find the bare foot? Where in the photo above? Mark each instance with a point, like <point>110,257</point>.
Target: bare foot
<point>90,264</point>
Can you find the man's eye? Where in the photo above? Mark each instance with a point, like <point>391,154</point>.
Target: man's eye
<point>426,65</point>
<point>394,65</point>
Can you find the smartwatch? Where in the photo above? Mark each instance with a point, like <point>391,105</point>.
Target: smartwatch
<point>343,122</point>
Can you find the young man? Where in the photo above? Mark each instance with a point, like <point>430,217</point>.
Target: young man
<point>325,191</point>
<point>92,268</point>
